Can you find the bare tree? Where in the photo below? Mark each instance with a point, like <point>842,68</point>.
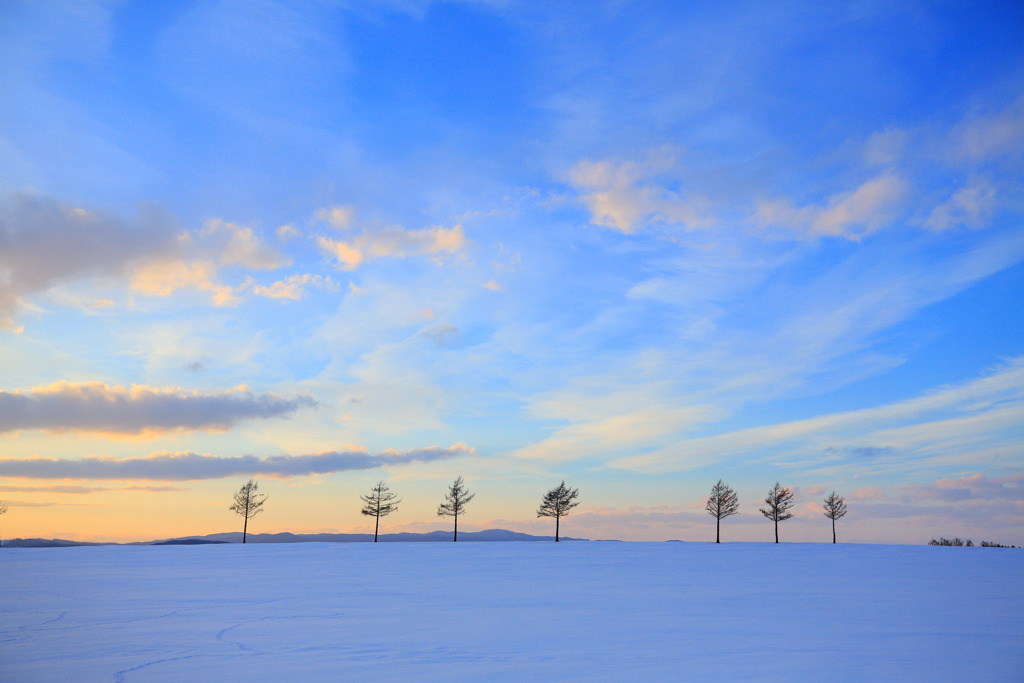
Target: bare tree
<point>248,503</point>
<point>723,502</point>
<point>557,502</point>
<point>455,503</point>
<point>380,503</point>
<point>779,501</point>
<point>835,508</point>
<point>3,511</point>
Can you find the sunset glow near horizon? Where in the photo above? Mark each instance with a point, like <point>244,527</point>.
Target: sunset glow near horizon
<point>640,247</point>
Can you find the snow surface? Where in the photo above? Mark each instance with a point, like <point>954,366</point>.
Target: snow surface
<point>512,611</point>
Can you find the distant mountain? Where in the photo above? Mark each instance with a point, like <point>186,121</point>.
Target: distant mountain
<point>490,535</point>
<point>45,543</point>
<point>188,541</point>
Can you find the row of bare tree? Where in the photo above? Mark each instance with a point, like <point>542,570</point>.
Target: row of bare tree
<point>724,502</point>
<point>381,502</point>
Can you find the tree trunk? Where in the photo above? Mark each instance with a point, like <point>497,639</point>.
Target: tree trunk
<point>833,530</point>
<point>375,527</point>
<point>456,538</point>
<point>557,520</point>
<point>244,528</point>
<point>776,531</point>
<point>718,524</point>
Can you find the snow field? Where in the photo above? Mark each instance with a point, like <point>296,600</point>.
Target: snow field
<point>512,611</point>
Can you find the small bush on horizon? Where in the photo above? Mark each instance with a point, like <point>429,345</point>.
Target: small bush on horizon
<point>957,541</point>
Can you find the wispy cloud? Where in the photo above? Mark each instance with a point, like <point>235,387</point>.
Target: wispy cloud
<point>237,245</point>
<point>850,215</point>
<point>628,196</point>
<point>339,217</point>
<point>28,504</point>
<point>395,242</point>
<point>971,205</point>
<point>292,288</point>
<point>603,422</point>
<point>287,231</point>
<point>442,334</point>
<point>98,407</point>
<point>971,487</point>
<point>989,135</point>
<point>954,419</point>
<point>193,466</point>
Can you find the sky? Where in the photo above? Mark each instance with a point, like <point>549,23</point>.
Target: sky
<point>636,246</point>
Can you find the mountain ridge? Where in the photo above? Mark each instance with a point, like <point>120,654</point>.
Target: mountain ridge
<point>487,535</point>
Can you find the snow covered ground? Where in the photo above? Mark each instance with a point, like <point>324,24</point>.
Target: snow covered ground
<point>512,611</point>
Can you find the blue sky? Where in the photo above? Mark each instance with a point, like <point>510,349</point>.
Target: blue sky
<point>633,245</point>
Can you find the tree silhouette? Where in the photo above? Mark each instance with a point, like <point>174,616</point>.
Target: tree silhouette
<point>557,502</point>
<point>779,501</point>
<point>3,511</point>
<point>248,503</point>
<point>835,508</point>
<point>455,503</point>
<point>723,502</point>
<point>380,503</point>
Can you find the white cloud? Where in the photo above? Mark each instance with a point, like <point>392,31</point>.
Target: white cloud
<point>985,137</point>
<point>339,217</point>
<point>292,288</point>
<point>237,245</point>
<point>349,258</point>
<point>851,215</point>
<point>972,206</point>
<point>287,231</point>
<point>395,242</point>
<point>165,278</point>
<point>198,260</point>
<point>626,196</point>
<point>885,147</point>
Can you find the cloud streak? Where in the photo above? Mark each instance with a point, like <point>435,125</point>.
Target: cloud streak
<point>98,407</point>
<point>193,466</point>
<point>78,490</point>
